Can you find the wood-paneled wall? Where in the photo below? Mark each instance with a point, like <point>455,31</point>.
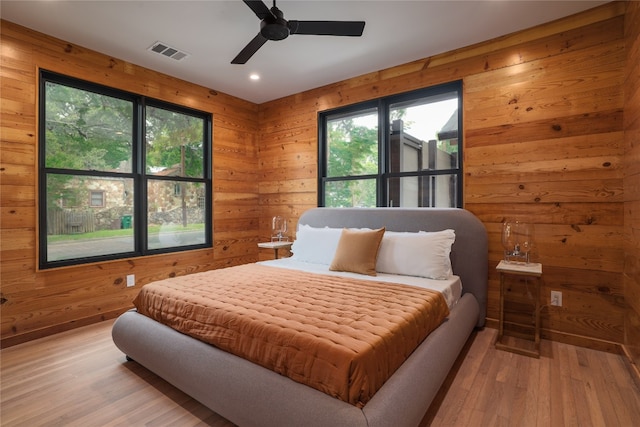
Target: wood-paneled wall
<point>544,120</point>
<point>632,183</point>
<point>543,143</point>
<point>36,303</point>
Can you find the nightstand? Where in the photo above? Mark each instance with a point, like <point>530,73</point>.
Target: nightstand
<point>530,270</point>
<point>275,246</point>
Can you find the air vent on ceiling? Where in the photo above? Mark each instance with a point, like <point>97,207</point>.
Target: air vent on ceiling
<point>168,51</point>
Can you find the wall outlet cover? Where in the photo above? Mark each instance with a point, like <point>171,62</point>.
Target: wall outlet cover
<point>556,298</point>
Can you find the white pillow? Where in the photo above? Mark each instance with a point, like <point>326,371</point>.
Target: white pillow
<point>316,245</point>
<point>423,254</point>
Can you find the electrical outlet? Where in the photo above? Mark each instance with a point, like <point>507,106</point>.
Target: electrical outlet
<point>131,280</point>
<point>556,298</point>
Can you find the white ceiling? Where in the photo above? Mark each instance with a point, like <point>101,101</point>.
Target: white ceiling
<point>213,32</point>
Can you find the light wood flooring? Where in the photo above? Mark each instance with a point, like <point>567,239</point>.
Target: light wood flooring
<point>79,378</point>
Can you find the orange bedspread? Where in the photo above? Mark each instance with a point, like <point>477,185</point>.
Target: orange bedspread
<point>344,337</point>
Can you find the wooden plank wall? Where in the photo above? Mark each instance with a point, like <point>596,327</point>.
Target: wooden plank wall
<point>543,143</point>
<point>632,183</point>
<point>36,303</point>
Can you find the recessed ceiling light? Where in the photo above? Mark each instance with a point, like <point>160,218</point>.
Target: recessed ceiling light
<point>254,76</point>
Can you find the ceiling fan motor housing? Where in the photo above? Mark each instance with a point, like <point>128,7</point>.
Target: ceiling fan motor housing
<point>274,27</point>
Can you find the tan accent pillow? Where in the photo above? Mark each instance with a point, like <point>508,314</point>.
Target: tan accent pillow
<point>357,251</point>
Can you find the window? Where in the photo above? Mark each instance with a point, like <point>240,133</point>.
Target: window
<point>402,150</point>
<point>121,175</point>
<point>96,199</point>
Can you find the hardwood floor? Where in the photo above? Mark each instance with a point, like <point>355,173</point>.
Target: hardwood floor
<point>567,386</point>
<point>79,378</point>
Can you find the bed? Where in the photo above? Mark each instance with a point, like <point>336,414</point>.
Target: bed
<point>250,395</point>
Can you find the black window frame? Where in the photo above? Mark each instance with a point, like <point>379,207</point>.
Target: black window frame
<point>138,173</point>
<point>384,129</point>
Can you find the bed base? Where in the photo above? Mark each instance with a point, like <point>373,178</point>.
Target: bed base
<point>250,395</point>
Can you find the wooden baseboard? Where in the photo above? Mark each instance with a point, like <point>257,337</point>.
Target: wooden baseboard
<point>51,330</point>
<point>577,340</point>
<point>631,365</point>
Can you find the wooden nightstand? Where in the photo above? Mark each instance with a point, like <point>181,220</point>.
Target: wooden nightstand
<point>275,246</point>
<point>533,270</point>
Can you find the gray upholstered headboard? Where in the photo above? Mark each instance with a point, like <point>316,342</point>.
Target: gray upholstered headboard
<point>469,254</point>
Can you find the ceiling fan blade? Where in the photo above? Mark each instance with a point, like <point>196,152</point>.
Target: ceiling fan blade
<point>259,8</point>
<point>249,49</point>
<point>327,28</point>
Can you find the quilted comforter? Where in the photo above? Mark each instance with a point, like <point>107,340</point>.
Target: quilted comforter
<point>342,336</point>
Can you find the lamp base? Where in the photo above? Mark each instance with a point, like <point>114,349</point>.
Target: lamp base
<point>516,257</point>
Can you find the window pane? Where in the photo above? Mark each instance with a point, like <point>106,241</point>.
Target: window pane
<point>176,213</point>
<point>96,199</point>
<point>352,144</point>
<point>439,191</point>
<point>76,229</point>
<point>424,134</point>
<point>87,131</point>
<point>359,193</point>
<point>174,143</point>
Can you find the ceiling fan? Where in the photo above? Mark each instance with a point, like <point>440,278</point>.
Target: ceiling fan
<point>275,27</point>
